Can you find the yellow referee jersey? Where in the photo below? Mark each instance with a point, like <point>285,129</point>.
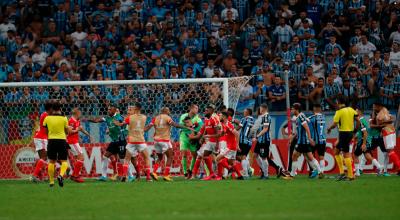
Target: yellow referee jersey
<point>56,125</point>
<point>344,117</point>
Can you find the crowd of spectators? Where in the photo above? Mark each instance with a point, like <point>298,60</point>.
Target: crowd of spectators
<point>329,48</point>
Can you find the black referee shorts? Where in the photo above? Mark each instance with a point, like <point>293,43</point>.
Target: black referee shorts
<point>262,149</point>
<point>344,141</point>
<point>57,149</point>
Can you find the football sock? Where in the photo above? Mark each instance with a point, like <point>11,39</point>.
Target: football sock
<point>184,164</point>
<point>104,166</point>
<point>294,168</point>
<point>322,165</point>
<point>348,163</point>
<point>273,164</point>
<point>245,167</point>
<point>147,172</point>
<point>137,168</point>
<point>64,167</point>
<point>339,163</point>
<point>385,161</point>
<point>263,165</point>
<point>376,164</point>
<point>192,162</point>
<point>77,168</point>
<point>119,168</point>
<point>395,159</point>
<point>208,162</point>
<point>130,170</point>
<point>166,170</point>
<point>196,166</point>
<point>50,171</point>
<point>125,168</point>
<point>222,164</point>
<point>237,167</point>
<point>315,165</point>
<point>155,167</point>
<point>39,165</point>
<point>362,161</point>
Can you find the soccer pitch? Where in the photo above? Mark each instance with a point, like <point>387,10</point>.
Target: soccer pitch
<point>369,197</point>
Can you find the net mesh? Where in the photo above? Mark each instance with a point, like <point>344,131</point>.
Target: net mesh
<point>21,108</point>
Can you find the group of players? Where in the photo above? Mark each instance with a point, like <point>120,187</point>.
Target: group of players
<point>219,142</point>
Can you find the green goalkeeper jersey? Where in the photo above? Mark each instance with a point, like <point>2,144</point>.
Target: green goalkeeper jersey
<point>115,132</point>
<point>184,133</point>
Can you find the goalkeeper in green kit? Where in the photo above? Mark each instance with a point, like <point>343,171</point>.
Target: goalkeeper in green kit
<point>191,120</point>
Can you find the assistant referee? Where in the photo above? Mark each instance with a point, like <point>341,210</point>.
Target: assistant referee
<point>57,147</point>
<point>344,118</point>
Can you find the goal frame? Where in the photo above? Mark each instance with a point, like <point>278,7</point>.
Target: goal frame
<point>224,81</point>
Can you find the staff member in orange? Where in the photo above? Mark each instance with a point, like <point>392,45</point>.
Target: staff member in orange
<point>57,147</point>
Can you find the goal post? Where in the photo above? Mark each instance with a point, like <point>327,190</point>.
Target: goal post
<point>22,104</point>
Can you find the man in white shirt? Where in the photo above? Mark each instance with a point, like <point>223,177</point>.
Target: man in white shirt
<point>209,70</point>
<point>395,35</point>
<point>79,36</point>
<point>39,56</point>
<point>365,47</point>
<point>298,22</point>
<point>6,26</point>
<point>395,54</point>
<point>224,12</point>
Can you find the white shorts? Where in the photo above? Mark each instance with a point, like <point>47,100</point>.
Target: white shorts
<point>208,146</point>
<point>162,147</point>
<point>226,152</point>
<point>135,149</point>
<point>390,141</point>
<point>75,149</point>
<point>40,144</point>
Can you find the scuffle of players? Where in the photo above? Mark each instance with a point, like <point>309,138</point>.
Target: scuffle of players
<point>219,145</point>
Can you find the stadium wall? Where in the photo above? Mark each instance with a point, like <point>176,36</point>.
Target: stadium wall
<point>18,161</point>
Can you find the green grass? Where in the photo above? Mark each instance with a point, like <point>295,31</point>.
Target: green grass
<point>368,197</point>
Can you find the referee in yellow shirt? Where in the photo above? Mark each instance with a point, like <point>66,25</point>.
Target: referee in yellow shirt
<point>344,119</point>
<point>57,147</point>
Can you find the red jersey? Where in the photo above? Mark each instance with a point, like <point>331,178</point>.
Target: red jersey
<point>74,123</point>
<point>42,132</point>
<point>210,127</point>
<point>229,135</point>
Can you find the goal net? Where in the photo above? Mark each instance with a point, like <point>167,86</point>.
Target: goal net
<point>22,104</point>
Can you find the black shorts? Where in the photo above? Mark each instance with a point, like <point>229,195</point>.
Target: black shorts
<point>117,147</point>
<point>57,149</point>
<point>262,149</point>
<point>304,148</point>
<point>375,143</point>
<point>345,138</point>
<point>358,150</point>
<point>321,149</point>
<point>244,149</point>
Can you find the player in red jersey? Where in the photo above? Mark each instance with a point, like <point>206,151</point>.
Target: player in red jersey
<point>40,141</point>
<point>228,144</point>
<point>210,132</point>
<point>73,140</point>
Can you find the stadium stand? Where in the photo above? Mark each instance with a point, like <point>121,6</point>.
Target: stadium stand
<point>328,47</point>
